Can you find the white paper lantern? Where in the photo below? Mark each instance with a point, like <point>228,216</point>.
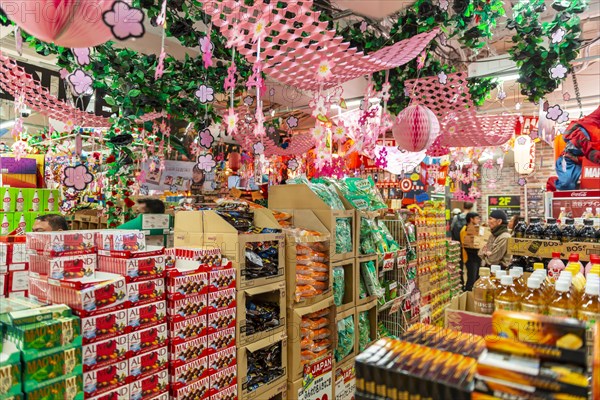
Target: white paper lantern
<point>524,149</point>
<point>415,128</point>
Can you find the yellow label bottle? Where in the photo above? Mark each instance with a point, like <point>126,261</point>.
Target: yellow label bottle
<point>562,305</point>
<point>533,300</point>
<point>483,292</point>
<point>517,274</point>
<point>507,298</point>
<point>590,303</point>
<point>496,280</point>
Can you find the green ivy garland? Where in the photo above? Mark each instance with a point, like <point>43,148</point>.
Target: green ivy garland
<point>532,55</point>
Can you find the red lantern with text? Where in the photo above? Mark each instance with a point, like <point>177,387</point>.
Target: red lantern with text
<point>415,128</point>
<point>235,161</point>
<point>66,23</point>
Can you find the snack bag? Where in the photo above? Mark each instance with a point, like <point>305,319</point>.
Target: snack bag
<point>338,285</point>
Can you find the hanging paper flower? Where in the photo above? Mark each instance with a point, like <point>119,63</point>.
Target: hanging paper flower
<point>564,117</point>
<point>339,133</point>
<point>293,164</point>
<point>77,177</point>
<point>124,21</point>
<point>19,149</point>
<point>566,96</point>
<point>459,194</point>
<point>141,176</point>
<point>318,133</point>
<point>160,67</point>
<point>292,122</point>
<point>381,158</point>
<point>522,181</point>
<point>385,91</point>
<point>230,79</point>
<point>232,120</point>
<point>474,193</point>
<point>248,100</point>
<point>554,112</point>
<point>501,94</point>
<point>559,71</point>
<point>444,5</point>
<point>82,55</point>
<point>258,148</point>
<point>81,83</point>
<point>363,26</point>
<point>260,30</point>
<point>489,164</point>
<point>255,80</point>
<point>318,105</point>
<point>235,36</point>
<point>324,70</point>
<point>205,94</point>
<point>206,139</point>
<point>206,48</point>
<point>421,59</point>
<point>206,162</point>
<point>321,160</point>
<point>558,35</point>
<point>442,78</point>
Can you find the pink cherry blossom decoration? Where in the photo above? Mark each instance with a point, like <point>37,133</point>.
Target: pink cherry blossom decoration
<point>77,177</point>
<point>206,139</point>
<point>124,21</point>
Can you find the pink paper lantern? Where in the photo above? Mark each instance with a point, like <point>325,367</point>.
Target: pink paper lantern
<point>67,23</point>
<point>415,128</point>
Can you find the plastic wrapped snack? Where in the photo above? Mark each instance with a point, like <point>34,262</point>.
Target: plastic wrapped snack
<point>366,237</point>
<point>345,344</point>
<point>343,235</point>
<point>362,290</point>
<point>338,285</point>
<point>360,191</point>
<point>391,242</point>
<point>369,273</point>
<point>364,330</point>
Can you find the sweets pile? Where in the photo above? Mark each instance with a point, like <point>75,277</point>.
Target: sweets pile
<point>315,336</point>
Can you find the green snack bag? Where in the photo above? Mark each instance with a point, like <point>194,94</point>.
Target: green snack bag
<point>362,290</point>
<point>343,236</point>
<point>391,242</point>
<point>338,285</point>
<point>369,273</point>
<point>345,338</point>
<point>364,330</point>
<point>366,188</point>
<point>366,237</point>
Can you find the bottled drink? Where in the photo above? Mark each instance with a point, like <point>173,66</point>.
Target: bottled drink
<point>569,231</point>
<point>533,300</point>
<point>6,201</point>
<point>517,274</point>
<point>587,213</point>
<point>589,310</point>
<point>483,292</point>
<point>535,230</point>
<point>563,214</point>
<point>530,263</point>
<point>22,222</point>
<point>594,260</point>
<point>562,304</point>
<point>51,202</point>
<point>507,298</point>
<point>5,226</point>
<point>20,204</point>
<point>35,202</point>
<point>498,274</point>
<point>520,228</point>
<point>546,287</point>
<point>552,231</point>
<point>587,233</point>
<point>555,267</point>
<point>574,259</point>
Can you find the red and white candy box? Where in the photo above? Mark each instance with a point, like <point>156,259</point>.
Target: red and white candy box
<point>91,295</point>
<point>121,240</point>
<point>134,269</point>
<point>149,386</point>
<point>148,339</point>
<point>189,373</point>
<point>221,300</point>
<point>147,315</point>
<point>226,394</point>
<point>99,354</point>
<point>146,364</point>
<point>104,326</point>
<point>180,286</point>
<point>187,308</point>
<point>183,353</point>
<point>105,379</point>
<point>222,359</point>
<point>145,292</point>
<point>198,391</point>
<point>220,320</point>
<point>120,393</point>
<point>62,242</point>
<point>223,379</point>
<point>189,329</point>
<point>221,279</point>
<point>67,267</point>
<point>221,340</point>
<point>203,258</point>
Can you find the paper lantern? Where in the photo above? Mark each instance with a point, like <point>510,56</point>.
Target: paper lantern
<point>235,161</point>
<point>67,23</point>
<point>524,149</point>
<point>415,128</point>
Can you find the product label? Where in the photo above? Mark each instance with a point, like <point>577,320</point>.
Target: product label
<point>532,308</point>
<point>318,381</point>
<point>506,305</point>
<point>484,307</point>
<point>345,383</point>
<point>103,326</point>
<point>560,312</point>
<point>588,316</point>
<point>147,387</point>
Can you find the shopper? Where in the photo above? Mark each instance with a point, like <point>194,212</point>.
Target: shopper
<point>472,260</point>
<point>460,220</point>
<point>143,206</point>
<point>513,222</point>
<point>50,223</point>
<point>495,252</point>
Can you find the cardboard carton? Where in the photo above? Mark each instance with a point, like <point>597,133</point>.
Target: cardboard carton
<point>273,293</point>
<point>476,236</point>
<point>293,197</point>
<point>358,277</point>
<point>344,380</point>
<point>319,385</point>
<point>371,311</point>
<point>460,315</point>
<point>260,392</point>
<point>350,285</point>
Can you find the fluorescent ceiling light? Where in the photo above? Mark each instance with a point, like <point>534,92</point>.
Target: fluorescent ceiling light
<point>7,124</point>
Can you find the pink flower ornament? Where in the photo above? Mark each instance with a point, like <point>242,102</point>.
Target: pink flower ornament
<point>82,55</point>
<point>230,79</point>
<point>206,139</point>
<point>124,21</point>
<point>160,67</point>
<point>206,162</point>
<point>205,94</point>
<point>80,83</point>
<point>19,149</point>
<point>206,48</point>
<point>77,177</point>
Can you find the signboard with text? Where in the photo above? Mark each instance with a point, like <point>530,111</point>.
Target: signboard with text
<point>510,204</point>
<point>575,202</point>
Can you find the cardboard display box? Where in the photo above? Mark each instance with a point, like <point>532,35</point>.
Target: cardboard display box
<point>207,229</point>
<point>294,328</point>
<point>358,277</point>
<point>371,310</point>
<point>339,317</point>
<point>476,236</point>
<point>460,315</point>
<point>242,370</point>
<point>273,293</point>
<point>344,380</point>
<point>319,386</point>
<point>300,197</point>
<point>545,248</point>
<point>350,284</point>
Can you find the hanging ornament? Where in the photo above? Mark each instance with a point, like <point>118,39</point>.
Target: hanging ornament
<point>524,150</point>
<point>124,21</point>
<point>415,128</point>
<point>230,79</point>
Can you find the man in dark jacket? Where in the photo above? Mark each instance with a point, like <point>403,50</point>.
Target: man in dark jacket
<point>495,252</point>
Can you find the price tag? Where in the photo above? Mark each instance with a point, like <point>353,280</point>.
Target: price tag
<point>396,306</point>
<point>388,264</point>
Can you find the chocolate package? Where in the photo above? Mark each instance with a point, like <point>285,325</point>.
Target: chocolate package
<point>145,292</point>
<point>186,374</point>
<point>62,243</point>
<point>220,320</point>
<point>120,393</point>
<point>186,308</point>
<point>226,394</point>
<point>149,386</point>
<point>221,340</point>
<point>145,340</point>
<point>147,315</point>
<point>99,354</point>
<point>134,269</point>
<point>70,387</point>
<point>190,329</point>
<point>223,379</point>
<point>221,300</point>
<point>221,279</point>
<point>66,267</point>
<point>105,379</point>
<point>186,352</point>
<point>45,335</point>
<point>103,326</point>
<point>146,364</point>
<point>197,258</point>
<point>198,390</point>
<point>50,366</point>
<point>223,359</point>
<point>181,286</point>
<point>121,240</point>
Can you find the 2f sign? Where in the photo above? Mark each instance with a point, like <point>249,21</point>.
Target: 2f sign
<point>504,201</point>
